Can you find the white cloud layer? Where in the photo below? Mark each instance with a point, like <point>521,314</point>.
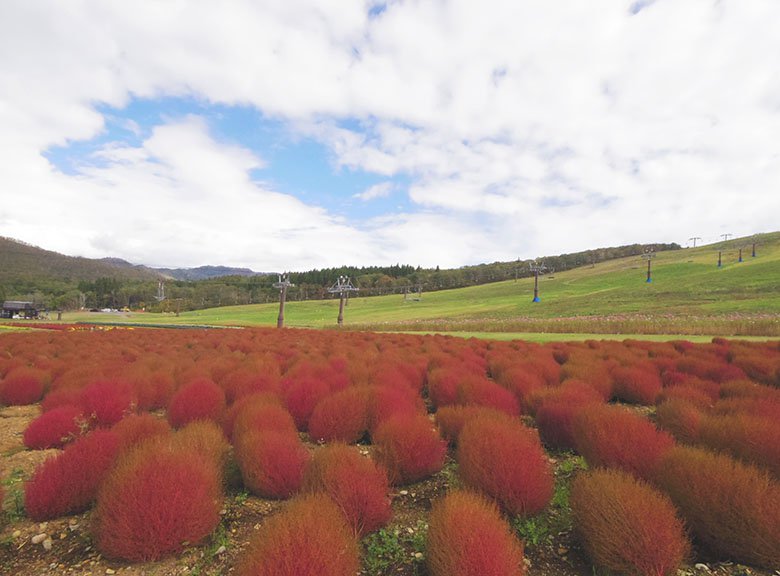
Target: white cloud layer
<point>524,128</point>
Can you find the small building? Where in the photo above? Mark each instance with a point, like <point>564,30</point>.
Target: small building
<point>18,309</point>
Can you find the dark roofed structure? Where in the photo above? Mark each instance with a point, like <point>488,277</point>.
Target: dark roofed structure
<point>13,308</point>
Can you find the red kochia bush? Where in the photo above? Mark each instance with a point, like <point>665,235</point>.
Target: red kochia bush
<point>68,482</point>
<point>137,428</point>
<point>301,396</point>
<point>154,501</point>
<point>272,463</point>
<point>354,482</point>
<point>468,537</point>
<point>342,416</point>
<point>106,402</point>
<point>638,385</point>
<point>505,460</point>
<point>200,399</point>
<point>310,537</point>
<point>555,421</point>
<point>409,447</point>
<point>749,438</point>
<point>451,419</point>
<point>53,429</point>
<point>681,419</point>
<point>61,397</point>
<point>253,415</point>
<point>733,509</point>
<point>627,526</point>
<point>616,438</point>
<point>22,386</point>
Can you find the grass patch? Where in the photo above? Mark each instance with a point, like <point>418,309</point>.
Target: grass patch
<point>391,550</point>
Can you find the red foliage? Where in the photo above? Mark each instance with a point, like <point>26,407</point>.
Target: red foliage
<point>681,419</point>
<point>386,401</point>
<point>137,428</point>
<point>505,460</point>
<point>61,397</point>
<point>637,385</point>
<point>154,501</point>
<point>555,421</point>
<point>468,537</point>
<point>243,382</point>
<point>690,394</point>
<point>342,416</point>
<point>749,438</point>
<point>200,399</point>
<point>259,412</point>
<point>256,399</point>
<point>409,447</point>
<point>617,438</point>
<point>354,482</point>
<point>520,382</point>
<point>732,509</point>
<point>68,482</point>
<point>480,391</point>
<point>23,386</point>
<point>308,538</point>
<point>53,429</point>
<point>272,463</point>
<point>106,402</point>
<point>451,419</point>
<point>301,396</point>
<point>205,438</point>
<point>626,526</point>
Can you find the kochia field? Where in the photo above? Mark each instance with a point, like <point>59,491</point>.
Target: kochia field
<point>295,452</point>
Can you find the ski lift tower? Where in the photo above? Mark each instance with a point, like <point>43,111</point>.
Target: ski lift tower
<point>648,255</point>
<point>160,291</point>
<point>342,287</point>
<point>537,269</point>
<point>282,285</point>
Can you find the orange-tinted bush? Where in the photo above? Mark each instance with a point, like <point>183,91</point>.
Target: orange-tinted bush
<point>468,537</point>
<point>505,460</point>
<point>451,419</point>
<point>732,509</point>
<point>272,463</point>
<point>409,447</point>
<point>280,421</point>
<point>69,481</point>
<point>689,394</point>
<point>53,429</point>
<point>627,526</point>
<point>154,501</point>
<point>386,401</point>
<point>354,482</point>
<point>555,421</point>
<point>617,438</point>
<point>301,396</point>
<point>205,438</point>
<point>681,419</point>
<point>310,537</point>
<point>342,416</point>
<point>106,402</point>
<point>259,412</point>
<point>746,437</point>
<point>199,399</point>
<point>22,386</point>
<point>637,385</point>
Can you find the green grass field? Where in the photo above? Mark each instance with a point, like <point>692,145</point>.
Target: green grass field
<point>689,294</point>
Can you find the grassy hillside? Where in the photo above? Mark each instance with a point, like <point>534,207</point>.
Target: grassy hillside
<point>689,295</point>
<point>23,262</point>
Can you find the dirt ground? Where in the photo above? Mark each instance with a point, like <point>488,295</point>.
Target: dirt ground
<point>63,546</point>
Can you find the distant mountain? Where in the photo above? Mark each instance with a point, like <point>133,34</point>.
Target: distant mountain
<point>22,261</point>
<point>205,272</point>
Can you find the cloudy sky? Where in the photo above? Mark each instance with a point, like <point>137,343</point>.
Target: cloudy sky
<point>292,134</point>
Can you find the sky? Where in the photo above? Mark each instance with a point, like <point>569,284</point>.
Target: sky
<point>299,134</point>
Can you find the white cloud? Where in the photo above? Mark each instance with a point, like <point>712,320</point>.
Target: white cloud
<point>381,190</point>
<point>523,127</point>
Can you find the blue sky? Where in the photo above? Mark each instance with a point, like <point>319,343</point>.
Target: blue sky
<point>302,134</point>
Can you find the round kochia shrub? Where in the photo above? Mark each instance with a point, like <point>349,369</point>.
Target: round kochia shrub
<point>137,428</point>
<point>505,460</point>
<point>22,386</point>
<point>613,437</point>
<point>200,399</point>
<point>681,419</point>
<point>342,416</point>
<point>354,482</point>
<point>451,419</point>
<point>106,402</point>
<point>409,447</point>
<point>155,500</point>
<point>749,438</point>
<point>301,396</point>
<point>310,537</point>
<point>272,463</point>
<point>68,482</point>
<point>732,509</point>
<point>627,526</point>
<point>53,429</point>
<point>468,537</point>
